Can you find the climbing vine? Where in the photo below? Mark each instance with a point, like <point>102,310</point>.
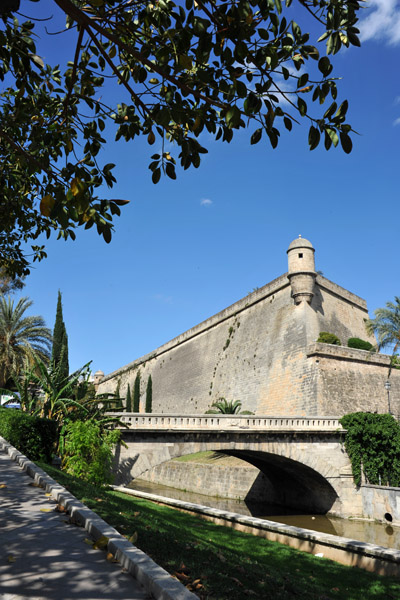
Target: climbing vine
<point>373,445</point>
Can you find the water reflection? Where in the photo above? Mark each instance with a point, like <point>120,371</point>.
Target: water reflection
<point>364,531</point>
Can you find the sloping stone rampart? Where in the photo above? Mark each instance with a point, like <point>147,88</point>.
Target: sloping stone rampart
<point>257,351</point>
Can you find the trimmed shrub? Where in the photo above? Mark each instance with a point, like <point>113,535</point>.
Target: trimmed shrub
<point>359,344</point>
<point>34,437</point>
<point>329,338</point>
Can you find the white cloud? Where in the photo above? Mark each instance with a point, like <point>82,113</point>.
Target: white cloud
<point>396,122</point>
<point>382,22</point>
<point>205,202</point>
<point>163,298</point>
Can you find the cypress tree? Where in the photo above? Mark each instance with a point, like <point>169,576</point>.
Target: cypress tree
<point>149,395</point>
<point>128,399</point>
<point>59,355</point>
<point>136,394</point>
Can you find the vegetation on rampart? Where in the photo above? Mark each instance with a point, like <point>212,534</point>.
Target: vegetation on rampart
<point>373,445</point>
<point>227,407</point>
<point>359,344</point>
<point>329,338</point>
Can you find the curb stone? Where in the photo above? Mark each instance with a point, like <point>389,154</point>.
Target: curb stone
<point>155,580</point>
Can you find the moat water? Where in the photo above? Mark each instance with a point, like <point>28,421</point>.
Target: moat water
<point>365,531</point>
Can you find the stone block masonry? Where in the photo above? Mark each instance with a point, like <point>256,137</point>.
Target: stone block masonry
<point>261,351</point>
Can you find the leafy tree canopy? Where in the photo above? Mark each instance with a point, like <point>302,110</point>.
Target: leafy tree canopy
<point>8,284</point>
<point>183,67</point>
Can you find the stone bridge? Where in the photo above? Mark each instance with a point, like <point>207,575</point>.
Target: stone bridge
<point>303,458</point>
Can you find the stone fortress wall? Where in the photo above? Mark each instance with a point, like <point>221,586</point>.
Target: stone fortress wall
<point>262,351</point>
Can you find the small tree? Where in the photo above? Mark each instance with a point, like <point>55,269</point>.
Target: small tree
<point>136,394</point>
<point>128,399</point>
<point>89,451</point>
<point>59,355</point>
<point>149,395</point>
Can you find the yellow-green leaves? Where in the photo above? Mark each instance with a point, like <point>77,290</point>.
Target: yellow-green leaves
<point>101,542</point>
<point>47,205</point>
<point>78,187</point>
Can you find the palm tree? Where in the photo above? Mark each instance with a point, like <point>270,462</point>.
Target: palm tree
<point>23,339</point>
<point>386,325</point>
<point>227,407</point>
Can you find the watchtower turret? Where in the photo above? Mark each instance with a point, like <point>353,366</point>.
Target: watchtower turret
<point>301,270</point>
<point>98,376</point>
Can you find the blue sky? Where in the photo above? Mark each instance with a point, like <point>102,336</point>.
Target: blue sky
<point>184,250</point>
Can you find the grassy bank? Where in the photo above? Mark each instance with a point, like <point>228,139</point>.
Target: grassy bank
<point>218,563</point>
<point>214,458</point>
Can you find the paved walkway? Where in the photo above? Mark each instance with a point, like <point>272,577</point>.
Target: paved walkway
<point>43,557</point>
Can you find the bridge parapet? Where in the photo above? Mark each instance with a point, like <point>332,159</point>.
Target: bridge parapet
<point>222,422</point>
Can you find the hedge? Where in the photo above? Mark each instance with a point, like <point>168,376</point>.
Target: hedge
<point>359,344</point>
<point>34,437</point>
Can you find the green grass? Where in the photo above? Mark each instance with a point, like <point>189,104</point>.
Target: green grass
<point>229,564</point>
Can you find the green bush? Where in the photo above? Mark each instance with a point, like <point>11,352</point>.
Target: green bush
<point>373,445</point>
<point>395,361</point>
<point>88,451</point>
<point>359,344</point>
<point>34,437</point>
<point>329,338</point>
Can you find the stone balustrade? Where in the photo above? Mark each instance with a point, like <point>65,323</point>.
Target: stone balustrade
<point>227,422</point>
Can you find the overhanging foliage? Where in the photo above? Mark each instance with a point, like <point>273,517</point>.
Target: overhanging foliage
<point>182,67</point>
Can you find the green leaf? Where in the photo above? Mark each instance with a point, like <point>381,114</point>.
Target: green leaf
<point>353,38</point>
<point>296,30</point>
<point>303,79</point>
<point>324,65</point>
<point>107,235</point>
<point>329,112</point>
<point>313,137</point>
<point>342,109</point>
<point>288,123</point>
<point>37,60</point>
<point>333,136</point>
<point>170,170</point>
<point>346,142</point>
<point>302,106</point>
<point>256,137</point>
<point>156,175</point>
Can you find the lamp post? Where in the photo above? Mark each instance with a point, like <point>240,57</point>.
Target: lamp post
<point>387,387</point>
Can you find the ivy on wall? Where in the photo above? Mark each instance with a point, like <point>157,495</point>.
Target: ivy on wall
<point>373,445</point>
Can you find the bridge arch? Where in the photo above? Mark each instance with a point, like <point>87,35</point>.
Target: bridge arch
<point>301,472</point>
